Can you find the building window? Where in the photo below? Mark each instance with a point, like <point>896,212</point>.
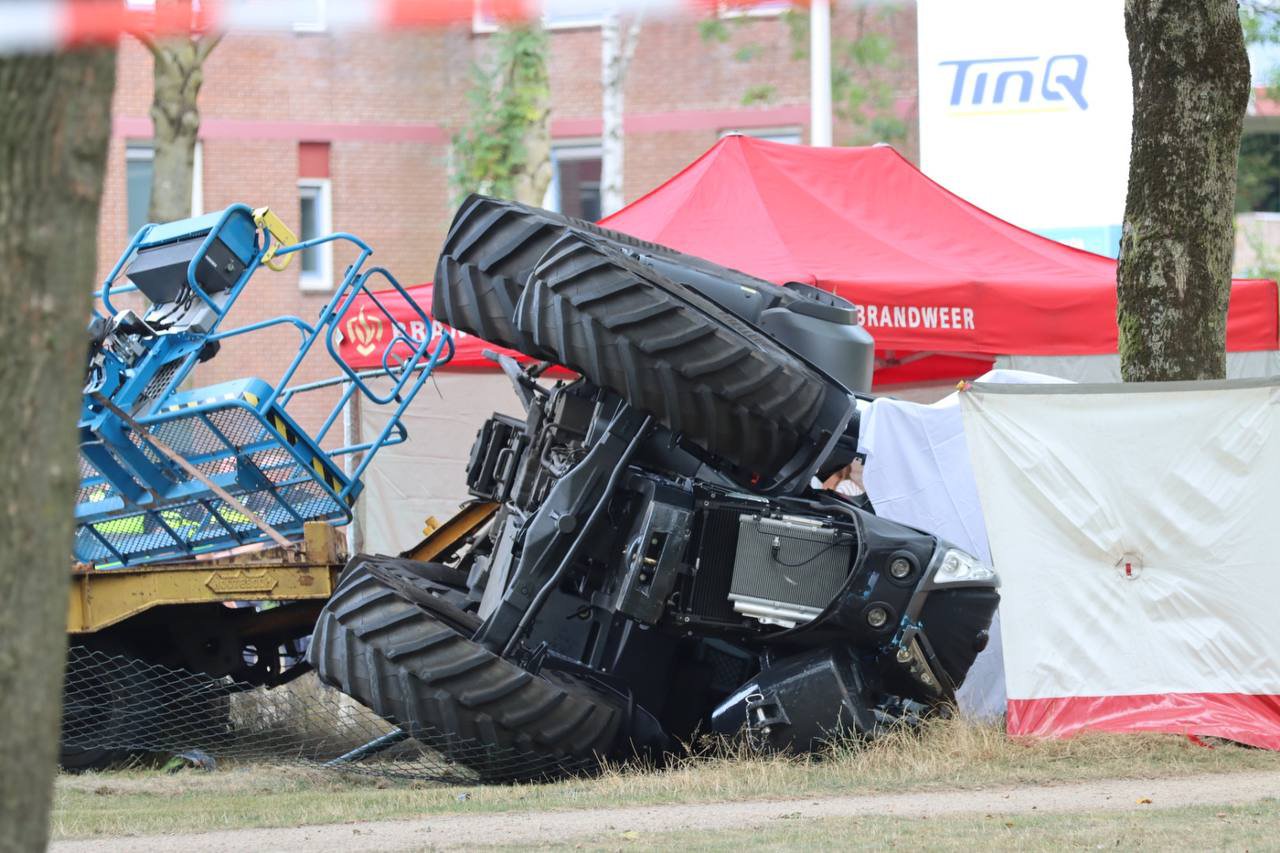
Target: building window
<point>197,179</point>
<point>316,20</point>
<point>314,220</point>
<point>789,135</point>
<point>139,170</point>
<point>556,14</point>
<point>575,181</point>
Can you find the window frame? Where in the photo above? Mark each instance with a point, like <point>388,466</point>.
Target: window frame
<point>322,281</point>
<point>197,180</point>
<point>577,150</point>
<point>138,151</point>
<point>792,131</point>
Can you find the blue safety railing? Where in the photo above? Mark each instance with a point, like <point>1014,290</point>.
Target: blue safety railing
<point>237,439</point>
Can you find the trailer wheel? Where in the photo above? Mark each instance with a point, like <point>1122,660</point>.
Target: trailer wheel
<point>669,351</point>
<point>98,712</point>
<point>389,640</point>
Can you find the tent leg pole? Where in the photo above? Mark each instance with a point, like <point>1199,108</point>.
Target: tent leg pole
<point>351,436</point>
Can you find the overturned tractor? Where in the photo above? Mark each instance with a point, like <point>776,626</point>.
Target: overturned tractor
<point>656,562</point>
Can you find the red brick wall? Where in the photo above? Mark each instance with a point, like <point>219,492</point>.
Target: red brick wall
<point>388,105</point>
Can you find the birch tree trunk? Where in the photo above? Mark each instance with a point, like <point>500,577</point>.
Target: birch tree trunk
<point>175,113</point>
<point>55,120</point>
<point>1190,90</point>
<point>617,46</point>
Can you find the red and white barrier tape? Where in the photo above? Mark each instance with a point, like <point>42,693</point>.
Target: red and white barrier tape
<point>41,25</point>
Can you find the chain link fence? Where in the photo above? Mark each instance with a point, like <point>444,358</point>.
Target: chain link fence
<point>117,708</point>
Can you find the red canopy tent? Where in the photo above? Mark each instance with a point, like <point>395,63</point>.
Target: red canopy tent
<point>367,331</point>
<point>942,285</point>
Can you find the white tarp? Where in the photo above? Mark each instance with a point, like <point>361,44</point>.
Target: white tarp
<point>1134,530</point>
<point>426,475</point>
<point>917,472</point>
<point>1106,368</point>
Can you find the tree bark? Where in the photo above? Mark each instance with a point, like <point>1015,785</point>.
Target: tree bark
<point>1190,89</point>
<point>532,175</point>
<point>55,120</point>
<point>175,114</point>
<point>617,45</point>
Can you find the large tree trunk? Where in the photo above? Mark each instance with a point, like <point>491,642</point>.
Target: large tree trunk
<point>528,72</point>
<point>617,45</point>
<point>1190,90</point>
<point>55,120</point>
<point>175,114</point>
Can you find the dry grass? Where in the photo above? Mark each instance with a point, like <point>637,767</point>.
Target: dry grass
<point>941,755</point>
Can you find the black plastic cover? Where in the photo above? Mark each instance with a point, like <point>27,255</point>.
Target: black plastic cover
<point>800,702</point>
<point>161,272</point>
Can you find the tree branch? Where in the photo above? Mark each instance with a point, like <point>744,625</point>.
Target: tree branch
<point>629,37</point>
<point>148,41</point>
<point>205,46</point>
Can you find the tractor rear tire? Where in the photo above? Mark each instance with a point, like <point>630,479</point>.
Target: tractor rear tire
<point>415,665</point>
<point>491,248</point>
<point>669,351</point>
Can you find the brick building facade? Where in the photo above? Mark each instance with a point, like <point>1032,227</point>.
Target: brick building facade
<point>350,132</point>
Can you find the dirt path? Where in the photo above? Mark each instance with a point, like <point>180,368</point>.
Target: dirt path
<point>454,830</point>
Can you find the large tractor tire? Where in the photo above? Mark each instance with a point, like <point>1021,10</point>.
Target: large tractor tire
<point>669,351</point>
<point>389,640</point>
<point>492,247</point>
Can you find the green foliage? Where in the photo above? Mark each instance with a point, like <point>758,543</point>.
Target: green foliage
<point>862,69</point>
<point>1266,256</point>
<point>713,29</point>
<point>505,99</point>
<point>862,72</point>
<point>1261,21</point>
<point>1258,169</point>
<point>1258,173</point>
<point>761,94</point>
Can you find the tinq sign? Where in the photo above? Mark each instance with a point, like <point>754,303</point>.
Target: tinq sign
<point>1018,84</point>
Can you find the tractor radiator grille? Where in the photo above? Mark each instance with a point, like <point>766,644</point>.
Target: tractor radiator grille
<point>789,561</point>
<point>715,567</point>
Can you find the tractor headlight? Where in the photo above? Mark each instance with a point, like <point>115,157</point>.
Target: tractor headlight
<point>959,567</point>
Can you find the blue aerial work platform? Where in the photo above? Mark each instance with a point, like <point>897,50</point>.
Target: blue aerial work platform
<point>168,473</point>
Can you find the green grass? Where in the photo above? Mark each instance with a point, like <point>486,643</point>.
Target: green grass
<point>943,755</point>
<point>1252,827</point>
